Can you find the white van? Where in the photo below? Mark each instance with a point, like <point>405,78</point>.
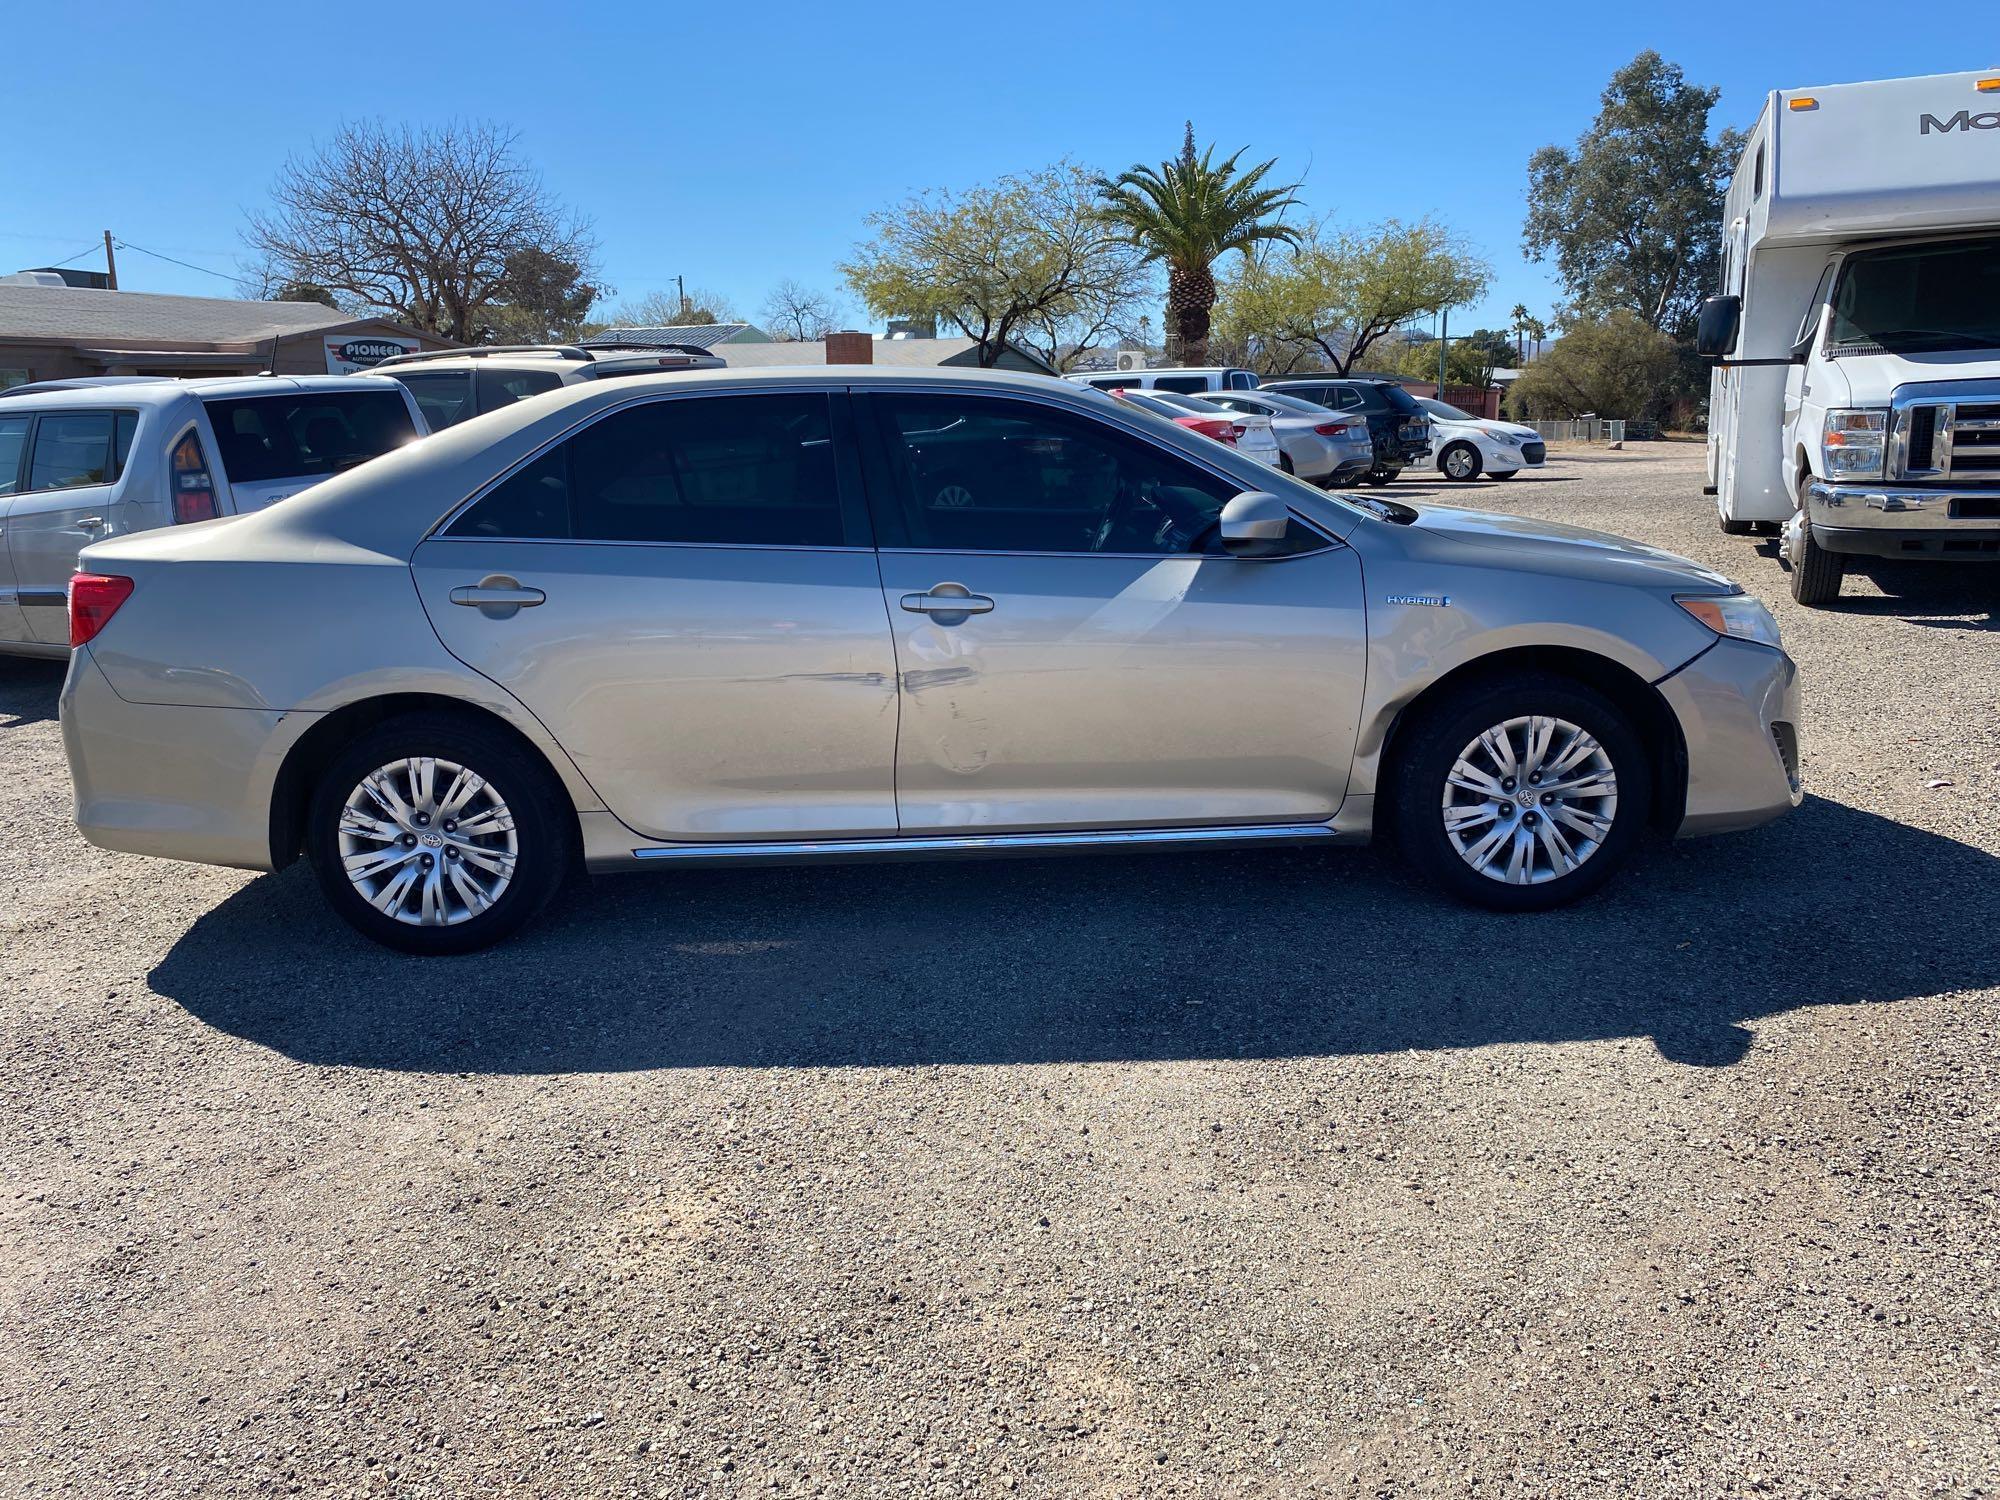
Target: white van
<point>101,456</point>
<point>1855,404</point>
<point>1187,380</point>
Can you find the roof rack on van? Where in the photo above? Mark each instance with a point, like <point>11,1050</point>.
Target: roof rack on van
<point>485,351</point>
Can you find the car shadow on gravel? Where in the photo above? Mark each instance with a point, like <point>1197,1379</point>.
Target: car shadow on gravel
<point>29,689</point>
<point>1219,955</point>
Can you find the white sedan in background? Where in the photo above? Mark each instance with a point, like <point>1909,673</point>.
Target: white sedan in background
<point>1255,436</point>
<point>1464,446</point>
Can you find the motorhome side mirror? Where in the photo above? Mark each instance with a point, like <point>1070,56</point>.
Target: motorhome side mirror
<point>1715,330</point>
<point>1254,524</point>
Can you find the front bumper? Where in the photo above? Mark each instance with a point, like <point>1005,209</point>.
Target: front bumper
<point>1878,520</point>
<point>172,781</point>
<point>1738,708</point>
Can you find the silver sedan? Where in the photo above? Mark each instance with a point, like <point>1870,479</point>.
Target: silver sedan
<point>1327,448</point>
<point>737,616</point>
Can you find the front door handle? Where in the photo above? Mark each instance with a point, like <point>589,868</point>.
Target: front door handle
<point>90,523</point>
<point>497,596</point>
<point>947,603</point>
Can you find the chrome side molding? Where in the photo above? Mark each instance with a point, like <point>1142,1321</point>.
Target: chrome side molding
<point>1294,833</point>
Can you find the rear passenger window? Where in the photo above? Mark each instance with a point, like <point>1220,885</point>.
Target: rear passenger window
<point>443,396</point>
<point>13,439</point>
<point>732,470</point>
<point>1187,385</point>
<point>72,450</point>
<point>499,388</point>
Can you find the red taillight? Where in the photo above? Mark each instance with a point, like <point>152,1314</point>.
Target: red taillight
<point>1236,430</point>
<point>93,599</point>
<point>194,491</point>
<point>1331,429</point>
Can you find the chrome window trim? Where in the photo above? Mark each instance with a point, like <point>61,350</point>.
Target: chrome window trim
<point>850,386</point>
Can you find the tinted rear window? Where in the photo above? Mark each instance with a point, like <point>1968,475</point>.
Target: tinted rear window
<point>1182,383</point>
<point>443,396</point>
<point>306,432</point>
<point>1399,400</point>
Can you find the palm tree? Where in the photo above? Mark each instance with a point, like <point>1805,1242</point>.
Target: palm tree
<point>1190,212</point>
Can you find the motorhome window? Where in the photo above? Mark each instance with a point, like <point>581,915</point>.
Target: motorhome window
<point>1915,298</point>
<point>1757,175</point>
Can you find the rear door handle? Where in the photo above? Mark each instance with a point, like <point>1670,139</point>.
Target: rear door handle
<point>945,600</point>
<point>497,596</point>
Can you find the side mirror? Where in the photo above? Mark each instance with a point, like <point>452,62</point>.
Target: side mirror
<point>1254,524</point>
<point>1716,329</point>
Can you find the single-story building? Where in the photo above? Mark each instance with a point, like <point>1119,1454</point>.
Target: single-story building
<point>56,332</point>
<point>896,352</point>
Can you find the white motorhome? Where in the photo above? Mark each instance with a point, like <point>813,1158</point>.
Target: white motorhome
<point>1855,404</point>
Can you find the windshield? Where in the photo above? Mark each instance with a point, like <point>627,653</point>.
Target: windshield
<point>1291,404</point>
<point>1159,406</point>
<point>1919,297</point>
<point>1445,409</point>
<point>306,432</point>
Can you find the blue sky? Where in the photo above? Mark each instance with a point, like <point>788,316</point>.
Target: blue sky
<point>741,144</point>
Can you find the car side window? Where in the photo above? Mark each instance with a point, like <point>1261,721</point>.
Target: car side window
<point>443,396</point>
<point>731,470</point>
<point>498,388</point>
<point>72,449</point>
<point>987,474</point>
<point>1186,385</point>
<point>13,443</point>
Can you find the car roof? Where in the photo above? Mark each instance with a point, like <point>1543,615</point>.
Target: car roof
<point>164,390</point>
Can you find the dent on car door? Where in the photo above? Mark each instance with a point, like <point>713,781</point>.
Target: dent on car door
<point>65,502</point>
<point>685,595</point>
<point>1075,650</point>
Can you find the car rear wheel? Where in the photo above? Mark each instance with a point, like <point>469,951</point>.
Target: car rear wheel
<point>435,835</point>
<point>1520,795</point>
<point>1459,461</point>
<point>1381,474</point>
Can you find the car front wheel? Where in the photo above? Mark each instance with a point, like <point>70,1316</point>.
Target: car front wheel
<point>1521,794</point>
<point>1459,461</point>
<point>436,835</point>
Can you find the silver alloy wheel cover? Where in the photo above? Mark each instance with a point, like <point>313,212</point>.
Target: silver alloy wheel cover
<point>427,842</point>
<point>953,497</point>
<point>1458,461</point>
<point>1529,800</point>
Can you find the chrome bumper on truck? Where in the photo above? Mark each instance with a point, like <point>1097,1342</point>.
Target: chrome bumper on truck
<point>1876,520</point>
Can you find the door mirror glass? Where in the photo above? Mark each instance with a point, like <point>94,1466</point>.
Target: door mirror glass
<point>1254,524</point>
<point>1715,330</point>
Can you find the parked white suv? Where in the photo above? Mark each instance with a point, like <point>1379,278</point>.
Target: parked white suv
<point>1187,380</point>
<point>454,384</point>
<point>1464,446</point>
<point>95,457</point>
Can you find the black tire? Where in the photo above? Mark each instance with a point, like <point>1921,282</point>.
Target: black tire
<point>543,827</point>
<point>1284,463</point>
<point>1817,573</point>
<point>1427,748</point>
<point>1472,455</point>
<point>1735,528</point>
<point>1380,474</point>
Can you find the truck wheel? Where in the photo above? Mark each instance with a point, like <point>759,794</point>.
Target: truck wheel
<point>1816,572</point>
<point>1519,794</point>
<point>1460,461</point>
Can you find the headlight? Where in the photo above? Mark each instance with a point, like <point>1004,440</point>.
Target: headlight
<point>1740,615</point>
<point>1511,439</point>
<point>1851,445</point>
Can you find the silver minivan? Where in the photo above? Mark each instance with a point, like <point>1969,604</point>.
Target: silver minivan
<point>92,458</point>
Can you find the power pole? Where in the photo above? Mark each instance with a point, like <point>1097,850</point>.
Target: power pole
<point>680,285</point>
<point>110,261</point>
<point>1444,343</point>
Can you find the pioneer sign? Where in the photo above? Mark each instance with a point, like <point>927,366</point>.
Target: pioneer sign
<point>348,356</point>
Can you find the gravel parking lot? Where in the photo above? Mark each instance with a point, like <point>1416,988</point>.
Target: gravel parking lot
<point>1248,1174</point>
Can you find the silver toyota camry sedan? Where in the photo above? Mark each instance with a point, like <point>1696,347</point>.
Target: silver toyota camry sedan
<point>836,613</point>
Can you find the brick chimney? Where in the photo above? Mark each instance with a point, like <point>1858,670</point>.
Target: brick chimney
<point>850,348</point>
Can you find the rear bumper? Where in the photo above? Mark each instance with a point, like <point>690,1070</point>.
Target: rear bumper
<point>1738,709</point>
<point>1873,520</point>
<point>172,781</point>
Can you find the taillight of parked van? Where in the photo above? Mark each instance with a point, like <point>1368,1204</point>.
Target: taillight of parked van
<point>93,599</point>
<point>194,490</point>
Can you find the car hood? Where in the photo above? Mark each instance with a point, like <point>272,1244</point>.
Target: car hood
<point>1550,546</point>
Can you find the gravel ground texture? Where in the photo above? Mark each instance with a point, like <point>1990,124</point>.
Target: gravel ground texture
<point>1240,1174</point>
